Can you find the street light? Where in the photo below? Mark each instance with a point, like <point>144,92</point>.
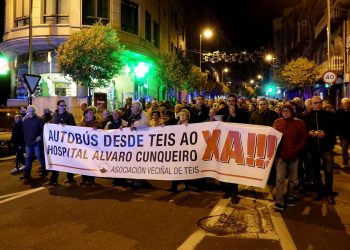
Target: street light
<point>224,70</point>
<point>207,34</point>
<point>270,59</point>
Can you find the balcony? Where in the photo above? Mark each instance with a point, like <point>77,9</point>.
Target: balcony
<point>337,66</point>
<point>337,17</point>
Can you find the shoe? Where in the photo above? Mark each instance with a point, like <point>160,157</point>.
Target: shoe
<point>50,183</point>
<point>25,177</point>
<point>14,171</point>
<point>330,200</point>
<point>290,202</point>
<point>72,182</point>
<point>22,167</point>
<point>318,197</point>
<point>235,199</point>
<point>279,207</point>
<point>43,174</point>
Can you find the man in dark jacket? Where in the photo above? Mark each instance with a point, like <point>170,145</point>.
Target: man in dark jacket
<point>61,116</point>
<point>33,127</point>
<point>343,124</point>
<point>263,116</point>
<point>321,128</point>
<point>293,141</point>
<point>199,112</point>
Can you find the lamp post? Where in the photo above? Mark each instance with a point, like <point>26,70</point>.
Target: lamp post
<point>207,34</point>
<point>222,73</point>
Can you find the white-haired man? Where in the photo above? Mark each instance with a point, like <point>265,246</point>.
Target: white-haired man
<point>343,125</point>
<point>33,127</point>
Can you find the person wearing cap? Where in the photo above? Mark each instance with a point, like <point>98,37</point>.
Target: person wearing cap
<point>293,141</point>
<point>63,117</point>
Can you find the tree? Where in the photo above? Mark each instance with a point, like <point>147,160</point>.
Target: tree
<point>174,69</point>
<point>299,73</point>
<point>195,80</point>
<point>91,57</point>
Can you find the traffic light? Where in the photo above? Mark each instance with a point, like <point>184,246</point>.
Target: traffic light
<point>4,65</point>
<point>270,89</point>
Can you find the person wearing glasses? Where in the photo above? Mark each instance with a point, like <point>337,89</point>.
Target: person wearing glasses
<point>63,117</point>
<point>293,141</point>
<point>321,128</point>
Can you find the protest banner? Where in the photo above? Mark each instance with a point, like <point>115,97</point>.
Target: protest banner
<point>228,152</point>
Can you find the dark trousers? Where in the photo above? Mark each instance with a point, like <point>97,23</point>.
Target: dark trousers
<point>327,164</point>
<point>55,174</point>
<point>20,156</point>
<point>87,178</point>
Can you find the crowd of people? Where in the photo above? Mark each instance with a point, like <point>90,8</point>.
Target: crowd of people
<point>309,135</point>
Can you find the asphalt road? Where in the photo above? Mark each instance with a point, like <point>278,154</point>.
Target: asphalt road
<point>106,217</point>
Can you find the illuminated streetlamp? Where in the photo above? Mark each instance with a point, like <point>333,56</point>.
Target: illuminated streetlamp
<point>207,34</point>
<point>224,70</point>
<point>270,59</point>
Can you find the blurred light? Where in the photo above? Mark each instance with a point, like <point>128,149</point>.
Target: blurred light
<point>208,33</point>
<point>127,69</point>
<point>4,65</point>
<point>141,69</point>
<point>251,81</point>
<point>268,57</point>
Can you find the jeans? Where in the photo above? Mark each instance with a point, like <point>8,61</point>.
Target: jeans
<point>327,164</point>
<point>282,168</point>
<point>31,150</point>
<point>344,143</point>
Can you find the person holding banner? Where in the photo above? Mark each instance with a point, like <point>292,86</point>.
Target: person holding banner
<point>184,118</point>
<point>33,127</point>
<point>91,121</point>
<point>293,141</point>
<point>116,123</point>
<point>237,115</point>
<point>63,117</point>
<point>138,119</point>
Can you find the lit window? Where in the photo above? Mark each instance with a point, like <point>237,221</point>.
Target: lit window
<point>129,19</point>
<point>21,13</point>
<point>95,10</point>
<point>55,11</point>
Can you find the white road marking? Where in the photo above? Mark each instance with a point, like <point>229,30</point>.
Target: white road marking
<point>194,239</point>
<point>286,240</point>
<point>20,194</point>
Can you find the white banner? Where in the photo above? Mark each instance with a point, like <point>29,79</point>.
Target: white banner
<point>229,152</point>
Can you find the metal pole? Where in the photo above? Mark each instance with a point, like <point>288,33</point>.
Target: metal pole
<point>329,34</point>
<point>200,52</point>
<point>30,61</point>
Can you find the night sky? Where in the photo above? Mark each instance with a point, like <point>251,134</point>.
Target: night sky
<point>240,24</point>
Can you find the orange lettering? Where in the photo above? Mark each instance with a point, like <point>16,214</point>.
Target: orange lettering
<point>212,141</point>
<point>233,139</point>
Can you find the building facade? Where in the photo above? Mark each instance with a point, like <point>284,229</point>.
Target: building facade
<point>302,32</point>
<point>147,29</point>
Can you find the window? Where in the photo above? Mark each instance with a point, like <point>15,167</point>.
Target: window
<point>55,11</point>
<point>95,10</point>
<point>129,19</point>
<point>21,13</point>
<point>156,34</point>
<point>148,24</point>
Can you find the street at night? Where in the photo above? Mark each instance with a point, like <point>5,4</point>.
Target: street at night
<point>173,124</point>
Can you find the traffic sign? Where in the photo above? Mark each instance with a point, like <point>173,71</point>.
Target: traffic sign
<point>31,81</point>
<point>329,77</point>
